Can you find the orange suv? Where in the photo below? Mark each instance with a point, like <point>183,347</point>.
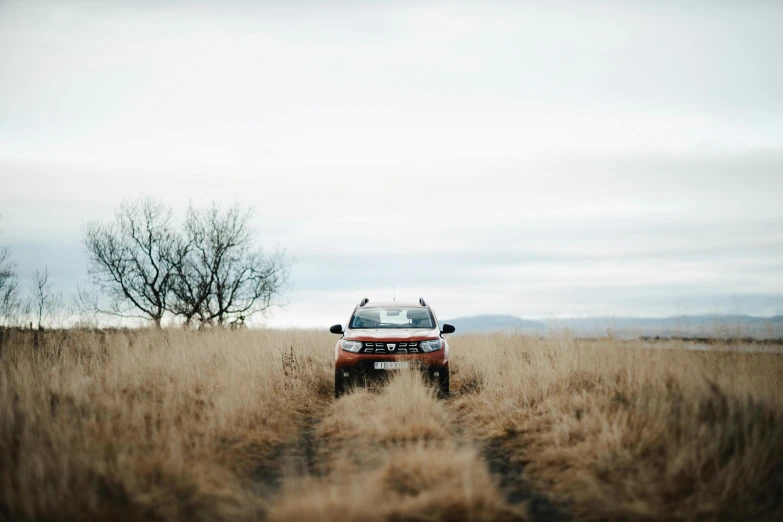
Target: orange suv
<point>384,337</point>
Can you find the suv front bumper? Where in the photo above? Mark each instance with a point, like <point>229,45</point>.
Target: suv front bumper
<point>349,360</point>
<point>364,373</point>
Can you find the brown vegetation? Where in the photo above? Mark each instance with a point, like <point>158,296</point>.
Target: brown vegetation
<point>616,432</point>
<point>148,425</point>
<point>219,425</point>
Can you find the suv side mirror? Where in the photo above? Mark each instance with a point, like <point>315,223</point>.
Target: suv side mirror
<point>337,329</point>
<point>447,328</point>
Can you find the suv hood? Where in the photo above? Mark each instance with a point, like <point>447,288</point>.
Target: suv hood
<point>390,333</point>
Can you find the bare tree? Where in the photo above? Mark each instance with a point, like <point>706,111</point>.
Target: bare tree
<point>44,302</point>
<point>9,289</point>
<point>194,276</point>
<point>211,274</point>
<point>222,277</point>
<point>130,261</point>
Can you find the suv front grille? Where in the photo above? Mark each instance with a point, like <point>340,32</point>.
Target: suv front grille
<point>407,347</point>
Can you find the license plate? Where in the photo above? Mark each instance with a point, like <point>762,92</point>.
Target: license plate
<point>391,365</point>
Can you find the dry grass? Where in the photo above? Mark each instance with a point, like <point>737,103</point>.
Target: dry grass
<point>393,455</point>
<point>240,425</point>
<point>149,425</point>
<point>618,432</point>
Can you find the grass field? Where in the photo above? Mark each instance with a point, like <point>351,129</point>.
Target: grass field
<point>242,425</point>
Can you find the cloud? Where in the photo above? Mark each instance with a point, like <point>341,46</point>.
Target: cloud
<point>497,157</point>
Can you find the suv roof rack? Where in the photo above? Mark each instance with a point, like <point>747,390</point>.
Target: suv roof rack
<point>364,302</point>
<point>422,302</point>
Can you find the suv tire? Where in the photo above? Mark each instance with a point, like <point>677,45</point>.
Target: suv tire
<point>339,384</point>
<point>443,383</point>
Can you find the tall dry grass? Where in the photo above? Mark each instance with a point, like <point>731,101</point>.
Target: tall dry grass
<point>162,425</point>
<point>393,455</point>
<point>615,430</point>
<point>241,425</point>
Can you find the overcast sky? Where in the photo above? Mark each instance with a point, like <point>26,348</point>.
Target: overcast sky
<point>544,159</point>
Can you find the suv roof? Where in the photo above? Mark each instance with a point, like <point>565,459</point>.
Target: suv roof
<point>392,303</point>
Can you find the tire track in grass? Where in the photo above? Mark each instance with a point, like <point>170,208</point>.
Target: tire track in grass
<point>288,461</point>
<point>294,457</point>
<point>396,454</point>
<point>518,489</point>
<point>508,471</point>
<point>402,441</point>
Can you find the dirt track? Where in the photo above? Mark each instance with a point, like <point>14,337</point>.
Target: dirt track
<point>330,449</point>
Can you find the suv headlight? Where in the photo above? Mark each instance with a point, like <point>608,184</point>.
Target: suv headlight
<point>351,346</point>
<point>431,346</point>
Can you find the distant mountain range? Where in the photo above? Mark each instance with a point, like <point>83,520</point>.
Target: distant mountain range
<point>489,323</point>
<point>680,325</point>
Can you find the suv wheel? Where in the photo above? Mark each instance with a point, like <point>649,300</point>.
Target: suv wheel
<point>339,384</point>
<point>443,383</point>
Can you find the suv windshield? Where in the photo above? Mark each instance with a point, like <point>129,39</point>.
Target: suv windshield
<point>392,317</point>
